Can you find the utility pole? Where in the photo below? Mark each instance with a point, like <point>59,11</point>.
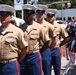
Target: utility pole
<point>62,10</point>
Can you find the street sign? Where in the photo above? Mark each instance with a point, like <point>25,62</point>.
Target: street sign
<point>18,4</point>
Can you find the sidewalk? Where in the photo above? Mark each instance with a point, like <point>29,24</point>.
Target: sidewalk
<point>64,62</point>
<point>73,71</point>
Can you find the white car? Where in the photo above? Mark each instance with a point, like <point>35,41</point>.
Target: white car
<point>19,21</point>
<point>63,23</point>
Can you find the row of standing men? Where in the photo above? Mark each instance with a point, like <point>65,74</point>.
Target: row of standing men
<point>36,46</point>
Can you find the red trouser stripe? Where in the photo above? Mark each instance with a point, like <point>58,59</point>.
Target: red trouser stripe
<point>17,68</point>
<point>40,63</point>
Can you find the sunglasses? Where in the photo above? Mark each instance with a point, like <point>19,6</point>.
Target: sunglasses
<point>50,15</point>
<point>26,11</point>
<point>40,11</point>
<point>5,12</point>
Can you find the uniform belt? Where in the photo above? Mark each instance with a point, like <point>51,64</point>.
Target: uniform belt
<point>7,60</point>
<point>33,51</point>
<point>55,48</point>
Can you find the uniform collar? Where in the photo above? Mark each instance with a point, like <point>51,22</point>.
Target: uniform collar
<point>32,27</point>
<point>9,30</point>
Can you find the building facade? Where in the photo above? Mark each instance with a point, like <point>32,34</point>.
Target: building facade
<point>66,13</point>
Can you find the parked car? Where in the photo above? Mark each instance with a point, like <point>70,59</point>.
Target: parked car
<point>19,21</point>
<point>63,23</point>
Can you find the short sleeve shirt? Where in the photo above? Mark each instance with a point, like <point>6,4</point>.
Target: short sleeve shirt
<point>10,42</point>
<point>60,33</point>
<point>34,35</point>
<point>49,29</point>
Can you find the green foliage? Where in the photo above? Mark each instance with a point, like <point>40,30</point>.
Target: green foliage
<point>18,14</point>
<point>73,3</point>
<point>9,2</point>
<point>59,6</point>
<point>41,0</point>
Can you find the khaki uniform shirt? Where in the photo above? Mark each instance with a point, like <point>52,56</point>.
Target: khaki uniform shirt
<point>34,35</point>
<point>60,33</point>
<point>49,29</point>
<point>10,40</point>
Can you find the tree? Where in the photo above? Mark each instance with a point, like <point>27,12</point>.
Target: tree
<point>58,6</point>
<point>9,2</point>
<point>73,3</point>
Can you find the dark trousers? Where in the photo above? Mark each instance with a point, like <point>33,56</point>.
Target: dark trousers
<point>22,67</point>
<point>11,68</point>
<point>33,64</point>
<point>46,61</point>
<point>56,60</point>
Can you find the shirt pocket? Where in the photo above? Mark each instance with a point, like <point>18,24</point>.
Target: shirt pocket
<point>33,39</point>
<point>9,44</point>
<point>9,41</point>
